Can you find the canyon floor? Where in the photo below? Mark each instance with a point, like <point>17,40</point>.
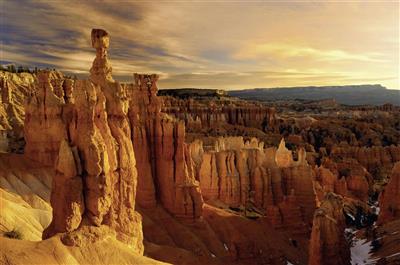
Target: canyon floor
<point>101,172</point>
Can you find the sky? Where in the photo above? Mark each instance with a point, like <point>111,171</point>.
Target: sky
<point>212,44</point>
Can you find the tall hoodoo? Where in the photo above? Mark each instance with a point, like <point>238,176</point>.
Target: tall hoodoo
<point>94,188</point>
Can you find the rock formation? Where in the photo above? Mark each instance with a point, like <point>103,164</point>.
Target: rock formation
<point>86,134</point>
<point>389,201</point>
<point>244,174</point>
<point>328,244</point>
<point>43,113</point>
<point>371,158</point>
<point>165,163</point>
<point>283,156</point>
<point>208,112</point>
<point>90,130</point>
<point>15,88</point>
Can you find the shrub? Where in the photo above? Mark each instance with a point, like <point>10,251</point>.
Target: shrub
<point>13,234</point>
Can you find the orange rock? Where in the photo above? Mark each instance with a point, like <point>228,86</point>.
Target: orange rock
<point>165,163</point>
<point>43,113</point>
<point>95,156</point>
<point>370,157</point>
<point>328,244</point>
<point>283,156</point>
<point>198,114</point>
<point>68,204</point>
<point>389,200</point>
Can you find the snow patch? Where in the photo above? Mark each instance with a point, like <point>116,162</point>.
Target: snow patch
<point>360,252</point>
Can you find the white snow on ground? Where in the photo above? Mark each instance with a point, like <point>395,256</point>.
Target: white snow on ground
<point>360,252</point>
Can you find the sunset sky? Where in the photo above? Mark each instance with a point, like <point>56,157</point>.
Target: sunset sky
<point>212,44</point>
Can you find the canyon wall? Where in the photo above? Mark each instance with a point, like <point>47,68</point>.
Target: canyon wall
<point>209,112</point>
<point>268,181</point>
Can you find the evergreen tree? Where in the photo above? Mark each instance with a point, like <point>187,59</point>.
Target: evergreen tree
<point>11,68</point>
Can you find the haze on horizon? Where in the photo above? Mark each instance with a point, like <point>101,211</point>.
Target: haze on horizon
<point>212,44</point>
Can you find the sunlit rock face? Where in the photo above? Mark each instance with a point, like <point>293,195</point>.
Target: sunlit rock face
<point>283,156</point>
<point>87,136</point>
<point>91,129</point>
<point>243,174</point>
<point>101,68</point>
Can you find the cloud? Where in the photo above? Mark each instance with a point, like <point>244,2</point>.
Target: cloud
<point>221,44</point>
<point>288,51</point>
<point>242,80</point>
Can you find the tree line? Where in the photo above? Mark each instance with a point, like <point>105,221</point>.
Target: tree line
<point>20,69</point>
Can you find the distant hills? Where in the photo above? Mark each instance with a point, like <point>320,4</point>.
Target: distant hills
<point>348,95</point>
<point>192,92</point>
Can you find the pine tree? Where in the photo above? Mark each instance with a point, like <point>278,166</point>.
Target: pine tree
<point>11,68</point>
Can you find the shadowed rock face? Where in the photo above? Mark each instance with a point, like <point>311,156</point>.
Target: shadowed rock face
<point>328,244</point>
<point>206,112</point>
<point>389,200</point>
<point>165,161</point>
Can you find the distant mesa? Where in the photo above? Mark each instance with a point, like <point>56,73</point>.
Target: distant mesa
<point>192,92</point>
<point>348,95</point>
